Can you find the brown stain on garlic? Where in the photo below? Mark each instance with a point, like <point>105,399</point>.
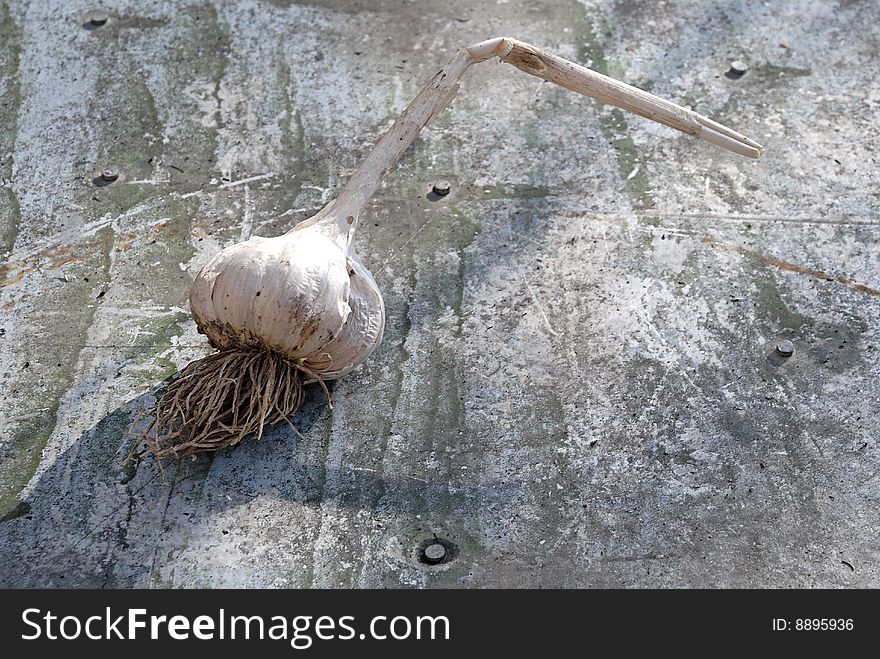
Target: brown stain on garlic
<point>788,266</point>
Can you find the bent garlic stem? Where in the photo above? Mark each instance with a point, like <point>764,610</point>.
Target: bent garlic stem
<point>442,88</point>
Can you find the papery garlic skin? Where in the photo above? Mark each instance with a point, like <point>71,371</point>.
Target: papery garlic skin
<point>288,294</point>
<point>360,334</point>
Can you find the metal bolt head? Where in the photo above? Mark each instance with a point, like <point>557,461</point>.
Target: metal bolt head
<point>738,67</point>
<point>110,174</point>
<point>785,347</point>
<point>434,553</point>
<point>442,188</point>
<point>98,17</point>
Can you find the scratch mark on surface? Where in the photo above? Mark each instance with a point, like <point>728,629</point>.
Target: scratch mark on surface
<point>408,241</point>
<point>842,220</point>
<point>161,529</point>
<point>792,267</point>
<point>534,296</point>
<point>678,367</point>
<point>148,181</point>
<point>769,260</point>
<point>243,181</point>
<point>247,224</point>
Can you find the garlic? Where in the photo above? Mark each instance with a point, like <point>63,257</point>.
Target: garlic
<point>301,307</point>
<point>301,295</point>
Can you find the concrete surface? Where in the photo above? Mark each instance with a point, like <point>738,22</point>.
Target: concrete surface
<point>577,385</point>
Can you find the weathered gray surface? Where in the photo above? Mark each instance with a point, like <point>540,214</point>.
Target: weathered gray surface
<point>574,386</point>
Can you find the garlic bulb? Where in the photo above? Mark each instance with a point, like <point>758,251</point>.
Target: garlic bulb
<point>301,308</point>
<point>301,295</point>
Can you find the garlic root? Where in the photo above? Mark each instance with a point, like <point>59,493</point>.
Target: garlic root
<point>300,307</point>
<point>219,400</point>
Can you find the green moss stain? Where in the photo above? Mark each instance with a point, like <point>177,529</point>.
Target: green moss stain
<point>154,338</point>
<point>154,271</point>
<point>440,423</point>
<point>21,455</point>
<point>612,120</point>
<point>771,70</point>
<point>194,71</point>
<point>510,191</point>
<point>46,367</point>
<point>614,126</point>
<point>10,218</point>
<point>724,187</point>
<point>292,164</point>
<point>398,357</point>
<point>200,61</point>
<point>128,138</point>
<point>769,305</point>
<point>10,101</point>
<point>292,139</point>
<point>428,384</point>
<point>100,447</point>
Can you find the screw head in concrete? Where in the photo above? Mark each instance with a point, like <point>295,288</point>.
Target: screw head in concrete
<point>434,553</point>
<point>442,188</point>
<point>785,347</point>
<point>738,67</point>
<point>110,174</point>
<point>98,17</point>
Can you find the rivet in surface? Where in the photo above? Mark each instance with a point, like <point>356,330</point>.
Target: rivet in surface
<point>435,553</point>
<point>738,68</point>
<point>110,174</point>
<point>98,17</point>
<point>442,188</point>
<point>785,347</point>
